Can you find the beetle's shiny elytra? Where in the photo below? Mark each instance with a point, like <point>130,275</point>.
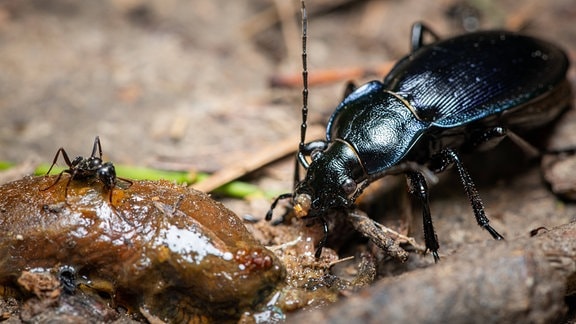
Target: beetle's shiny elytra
<point>445,97</point>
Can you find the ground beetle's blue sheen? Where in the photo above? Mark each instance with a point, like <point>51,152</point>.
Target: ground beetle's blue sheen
<point>445,97</point>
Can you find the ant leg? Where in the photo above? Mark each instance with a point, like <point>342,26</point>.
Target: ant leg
<point>97,146</point>
<point>72,175</point>
<point>55,182</point>
<point>67,184</point>
<point>419,188</point>
<point>447,157</point>
<point>417,35</point>
<point>110,196</point>
<point>123,183</point>
<point>68,163</point>
<point>64,156</point>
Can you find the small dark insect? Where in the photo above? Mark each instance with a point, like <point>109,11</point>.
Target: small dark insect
<point>67,276</point>
<point>91,168</point>
<point>446,97</point>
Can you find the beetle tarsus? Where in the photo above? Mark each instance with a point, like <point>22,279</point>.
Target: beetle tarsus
<point>493,232</point>
<point>275,202</point>
<point>324,239</point>
<point>419,30</point>
<point>350,87</point>
<point>436,256</point>
<point>419,188</point>
<point>449,156</point>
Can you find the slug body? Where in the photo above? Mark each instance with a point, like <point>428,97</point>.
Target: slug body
<point>156,246</point>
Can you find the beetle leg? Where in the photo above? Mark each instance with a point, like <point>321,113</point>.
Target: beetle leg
<point>296,170</point>
<point>307,150</point>
<point>275,202</point>
<point>322,242</point>
<point>419,188</point>
<point>447,157</point>
<point>417,35</point>
<point>524,145</point>
<point>350,87</point>
<point>485,139</point>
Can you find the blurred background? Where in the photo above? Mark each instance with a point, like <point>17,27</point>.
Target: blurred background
<point>187,81</point>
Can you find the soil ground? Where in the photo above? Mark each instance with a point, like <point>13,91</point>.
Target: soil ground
<point>185,85</point>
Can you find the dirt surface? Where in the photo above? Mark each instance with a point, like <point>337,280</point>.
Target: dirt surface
<point>185,85</point>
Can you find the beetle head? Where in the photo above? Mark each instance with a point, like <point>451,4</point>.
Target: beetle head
<point>331,181</point>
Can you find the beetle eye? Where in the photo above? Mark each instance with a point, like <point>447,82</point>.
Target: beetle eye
<point>316,154</point>
<point>349,186</point>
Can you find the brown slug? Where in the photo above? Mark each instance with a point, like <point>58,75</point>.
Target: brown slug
<point>164,248</point>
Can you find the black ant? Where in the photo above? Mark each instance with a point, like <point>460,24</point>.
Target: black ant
<point>89,168</point>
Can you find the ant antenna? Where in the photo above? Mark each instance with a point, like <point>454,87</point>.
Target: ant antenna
<point>304,79</point>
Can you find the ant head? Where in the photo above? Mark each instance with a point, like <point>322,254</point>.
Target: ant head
<point>107,174</point>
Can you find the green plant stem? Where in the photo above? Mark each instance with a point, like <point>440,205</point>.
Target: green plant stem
<point>234,189</point>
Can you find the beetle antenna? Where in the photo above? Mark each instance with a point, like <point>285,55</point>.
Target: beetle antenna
<point>304,79</point>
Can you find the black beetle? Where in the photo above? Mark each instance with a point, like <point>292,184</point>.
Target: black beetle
<point>445,97</point>
<point>91,167</point>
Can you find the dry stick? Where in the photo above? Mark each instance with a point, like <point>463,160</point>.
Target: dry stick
<point>520,19</point>
<point>387,239</point>
<point>318,77</point>
<point>244,166</point>
<point>518,281</point>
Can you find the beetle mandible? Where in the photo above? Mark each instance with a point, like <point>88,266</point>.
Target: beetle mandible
<point>445,97</point>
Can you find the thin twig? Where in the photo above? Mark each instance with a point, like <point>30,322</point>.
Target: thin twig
<point>318,77</point>
<point>266,156</point>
